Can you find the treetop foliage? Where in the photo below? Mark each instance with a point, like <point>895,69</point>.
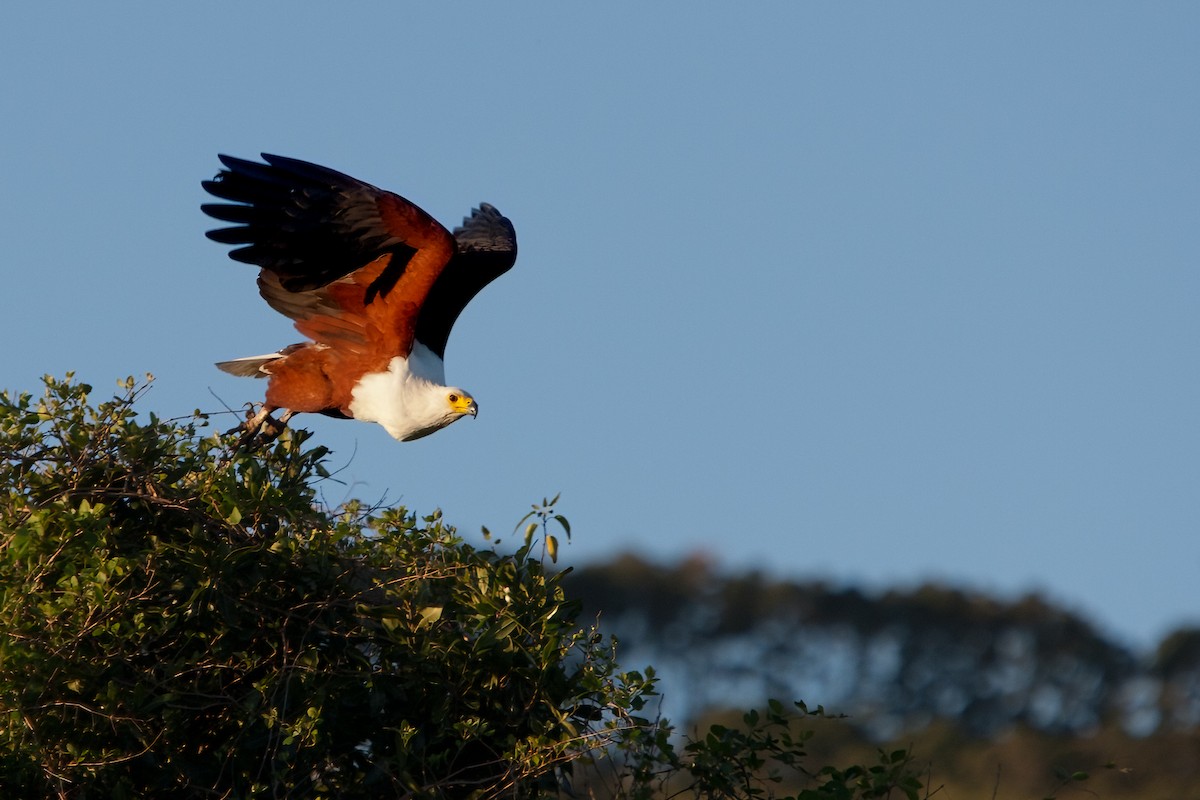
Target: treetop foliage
<point>180,616</point>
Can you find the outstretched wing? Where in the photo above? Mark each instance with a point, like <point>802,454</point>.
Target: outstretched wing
<point>350,263</point>
<point>486,249</point>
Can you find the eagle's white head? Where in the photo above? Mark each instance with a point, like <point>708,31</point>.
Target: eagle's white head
<point>407,400</point>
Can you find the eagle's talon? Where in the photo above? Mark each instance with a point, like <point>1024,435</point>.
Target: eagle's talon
<point>259,427</point>
<point>271,429</point>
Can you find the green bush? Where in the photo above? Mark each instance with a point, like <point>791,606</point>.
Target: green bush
<point>178,616</point>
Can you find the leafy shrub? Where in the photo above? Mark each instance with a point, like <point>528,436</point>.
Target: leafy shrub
<point>178,616</point>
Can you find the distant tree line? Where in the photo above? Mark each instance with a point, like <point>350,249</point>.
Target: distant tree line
<point>894,662</point>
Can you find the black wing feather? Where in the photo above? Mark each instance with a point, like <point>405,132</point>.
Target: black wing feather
<point>308,224</point>
<point>487,248</point>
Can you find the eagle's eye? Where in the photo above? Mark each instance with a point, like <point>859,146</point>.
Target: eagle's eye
<point>453,398</point>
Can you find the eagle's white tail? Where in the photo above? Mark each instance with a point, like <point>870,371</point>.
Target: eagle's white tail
<point>250,366</point>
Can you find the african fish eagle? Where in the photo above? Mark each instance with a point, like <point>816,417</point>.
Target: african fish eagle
<point>369,278</point>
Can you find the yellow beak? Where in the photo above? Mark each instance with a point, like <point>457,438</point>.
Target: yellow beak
<point>466,405</point>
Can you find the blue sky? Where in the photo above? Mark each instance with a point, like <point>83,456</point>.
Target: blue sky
<point>866,292</point>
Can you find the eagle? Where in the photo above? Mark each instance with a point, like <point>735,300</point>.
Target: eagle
<point>374,283</point>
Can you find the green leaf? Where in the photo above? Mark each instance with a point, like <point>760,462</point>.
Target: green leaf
<point>430,615</point>
<point>566,526</point>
